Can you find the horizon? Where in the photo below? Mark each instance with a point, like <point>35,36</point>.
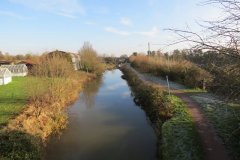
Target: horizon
<point>113,28</point>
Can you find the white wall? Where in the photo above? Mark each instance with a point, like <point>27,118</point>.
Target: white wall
<point>19,74</point>
<point>5,80</point>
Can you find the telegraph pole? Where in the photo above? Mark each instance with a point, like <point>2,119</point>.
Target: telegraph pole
<point>149,51</point>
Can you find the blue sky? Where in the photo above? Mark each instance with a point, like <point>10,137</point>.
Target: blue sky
<point>113,27</point>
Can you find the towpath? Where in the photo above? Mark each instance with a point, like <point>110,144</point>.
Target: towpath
<point>212,144</point>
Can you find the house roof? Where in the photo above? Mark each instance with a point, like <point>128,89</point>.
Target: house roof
<point>4,72</point>
<point>18,68</point>
<point>5,62</point>
<point>29,62</point>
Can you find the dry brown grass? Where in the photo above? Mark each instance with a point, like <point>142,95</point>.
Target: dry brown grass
<point>55,87</point>
<point>181,71</point>
<point>45,111</point>
<point>52,66</point>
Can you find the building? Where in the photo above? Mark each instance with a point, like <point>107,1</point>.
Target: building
<point>4,62</point>
<point>75,61</point>
<point>71,57</point>
<point>28,63</point>
<point>5,76</point>
<point>18,70</point>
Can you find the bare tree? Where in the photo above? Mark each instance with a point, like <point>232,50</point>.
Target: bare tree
<point>222,35</point>
<point>90,60</point>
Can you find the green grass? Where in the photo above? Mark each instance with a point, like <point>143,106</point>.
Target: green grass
<point>13,98</point>
<point>16,145</point>
<point>226,120</point>
<point>194,90</point>
<point>180,139</point>
<point>173,124</point>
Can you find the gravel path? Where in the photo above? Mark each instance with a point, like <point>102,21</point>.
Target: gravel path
<point>212,144</point>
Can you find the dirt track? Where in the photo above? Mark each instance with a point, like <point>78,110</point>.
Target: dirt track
<point>212,144</point>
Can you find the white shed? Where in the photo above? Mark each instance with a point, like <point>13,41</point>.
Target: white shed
<point>17,70</point>
<point>5,76</point>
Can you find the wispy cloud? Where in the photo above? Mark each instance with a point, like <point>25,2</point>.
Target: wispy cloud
<point>151,33</point>
<point>115,86</point>
<point>117,31</point>
<point>90,23</point>
<point>66,8</point>
<point>11,14</point>
<point>126,94</point>
<point>126,21</point>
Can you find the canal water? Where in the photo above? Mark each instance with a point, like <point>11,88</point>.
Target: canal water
<point>105,124</point>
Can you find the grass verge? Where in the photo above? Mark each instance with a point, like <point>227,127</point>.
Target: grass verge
<point>174,127</point>
<point>13,99</point>
<point>226,120</point>
<point>179,135</point>
<point>45,100</point>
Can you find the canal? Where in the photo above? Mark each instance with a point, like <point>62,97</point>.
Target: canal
<point>105,124</point>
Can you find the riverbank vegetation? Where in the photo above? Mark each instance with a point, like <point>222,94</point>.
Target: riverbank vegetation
<point>50,90</point>
<point>42,97</point>
<point>183,71</point>
<point>173,124</point>
<point>225,118</point>
<point>90,61</point>
<point>225,70</point>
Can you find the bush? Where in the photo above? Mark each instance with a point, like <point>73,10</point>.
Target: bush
<point>17,145</point>
<point>53,66</point>
<point>151,97</point>
<point>182,71</point>
<point>90,61</point>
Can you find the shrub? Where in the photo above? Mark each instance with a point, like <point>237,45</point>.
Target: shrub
<point>90,61</point>
<point>151,97</point>
<point>53,66</point>
<point>181,71</point>
<point>18,145</point>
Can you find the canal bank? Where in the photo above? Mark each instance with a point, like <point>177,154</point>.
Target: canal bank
<point>172,121</point>
<point>105,123</point>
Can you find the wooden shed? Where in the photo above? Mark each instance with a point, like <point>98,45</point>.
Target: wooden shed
<point>18,70</point>
<point>5,76</point>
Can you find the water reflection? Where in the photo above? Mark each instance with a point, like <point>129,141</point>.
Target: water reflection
<point>113,129</point>
<point>90,91</point>
<point>115,86</point>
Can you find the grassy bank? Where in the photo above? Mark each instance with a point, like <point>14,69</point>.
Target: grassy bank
<point>13,98</point>
<point>45,100</point>
<point>178,138</point>
<point>181,71</point>
<point>226,120</point>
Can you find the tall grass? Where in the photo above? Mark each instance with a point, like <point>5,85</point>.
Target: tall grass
<point>181,71</point>
<point>56,85</point>
<point>53,86</point>
<point>53,66</point>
